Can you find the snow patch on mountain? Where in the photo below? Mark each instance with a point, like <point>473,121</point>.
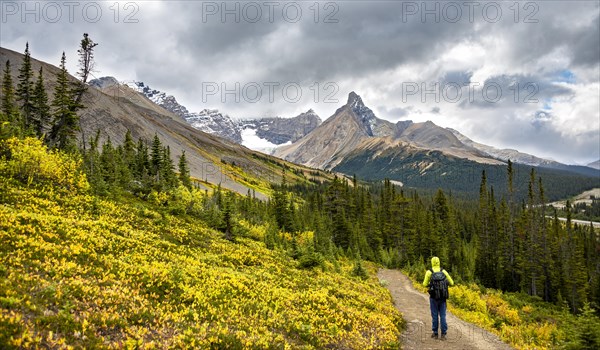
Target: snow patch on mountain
<point>254,142</point>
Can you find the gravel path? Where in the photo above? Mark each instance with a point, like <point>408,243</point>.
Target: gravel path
<point>414,306</point>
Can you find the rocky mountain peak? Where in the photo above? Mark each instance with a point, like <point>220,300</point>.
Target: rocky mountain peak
<point>310,116</point>
<point>363,114</point>
<point>354,100</point>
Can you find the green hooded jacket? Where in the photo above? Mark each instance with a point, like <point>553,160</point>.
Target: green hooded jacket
<point>435,266</point>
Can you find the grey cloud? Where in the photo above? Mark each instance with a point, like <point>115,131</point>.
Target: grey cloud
<point>586,48</point>
<point>394,113</point>
<point>534,135</point>
<point>172,49</point>
<point>512,90</point>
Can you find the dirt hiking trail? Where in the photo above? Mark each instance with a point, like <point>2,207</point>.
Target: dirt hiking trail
<point>414,306</point>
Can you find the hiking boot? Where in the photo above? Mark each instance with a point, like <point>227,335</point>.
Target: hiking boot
<point>434,335</point>
<point>443,336</point>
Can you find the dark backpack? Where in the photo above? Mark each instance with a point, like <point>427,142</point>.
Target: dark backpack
<point>438,285</point>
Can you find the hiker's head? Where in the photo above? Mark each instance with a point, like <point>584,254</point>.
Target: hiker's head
<point>435,262</point>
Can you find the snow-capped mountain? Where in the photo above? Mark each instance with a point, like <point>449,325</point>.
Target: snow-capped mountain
<point>266,134</point>
<point>283,130</point>
<point>208,120</point>
<point>214,122</point>
<point>262,134</point>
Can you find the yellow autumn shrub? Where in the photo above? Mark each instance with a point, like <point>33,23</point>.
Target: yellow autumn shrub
<point>30,162</point>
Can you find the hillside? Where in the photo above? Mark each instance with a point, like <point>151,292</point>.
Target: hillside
<point>433,169</point>
<point>213,161</point>
<point>80,271</point>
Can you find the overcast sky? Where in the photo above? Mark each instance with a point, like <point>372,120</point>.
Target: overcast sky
<point>528,72</point>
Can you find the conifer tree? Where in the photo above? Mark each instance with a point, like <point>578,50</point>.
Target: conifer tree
<point>575,281</point>
<point>184,172</point>
<point>9,110</point>
<point>512,247</point>
<point>86,65</point>
<point>228,217</point>
<point>281,207</point>
<point>66,121</point>
<point>25,88</point>
<point>129,150</point>
<point>168,176</point>
<point>41,110</point>
<point>142,161</point>
<point>156,158</point>
<point>108,162</point>
<point>93,166</point>
<point>484,268</point>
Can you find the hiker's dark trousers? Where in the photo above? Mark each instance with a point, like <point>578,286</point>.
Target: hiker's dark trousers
<point>438,309</point>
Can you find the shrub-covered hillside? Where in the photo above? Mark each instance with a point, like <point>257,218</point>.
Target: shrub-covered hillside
<point>80,271</point>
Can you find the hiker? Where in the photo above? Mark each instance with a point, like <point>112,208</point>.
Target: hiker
<point>437,280</point>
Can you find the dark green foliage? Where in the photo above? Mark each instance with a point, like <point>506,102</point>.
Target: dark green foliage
<point>156,156</point>
<point>586,331</point>
<point>184,171</point>
<point>359,271</point>
<point>8,93</point>
<point>25,88</point>
<point>9,114</point>
<point>66,121</point>
<point>310,259</point>
<point>40,117</point>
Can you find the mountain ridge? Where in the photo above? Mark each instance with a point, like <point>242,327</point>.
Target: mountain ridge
<point>275,130</point>
<point>353,123</point>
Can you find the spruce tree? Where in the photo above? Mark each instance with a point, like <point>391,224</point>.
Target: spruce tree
<point>129,151</point>
<point>93,167</point>
<point>25,88</point>
<point>575,275</point>
<point>41,110</point>
<point>512,280</point>
<point>10,113</point>
<point>168,176</point>
<point>66,121</point>
<point>156,158</point>
<point>227,211</point>
<point>142,161</point>
<point>184,172</point>
<point>108,164</point>
<point>483,268</point>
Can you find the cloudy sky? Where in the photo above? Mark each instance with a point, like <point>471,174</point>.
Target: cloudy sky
<point>513,75</point>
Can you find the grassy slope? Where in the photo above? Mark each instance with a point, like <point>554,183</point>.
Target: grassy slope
<point>80,271</point>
